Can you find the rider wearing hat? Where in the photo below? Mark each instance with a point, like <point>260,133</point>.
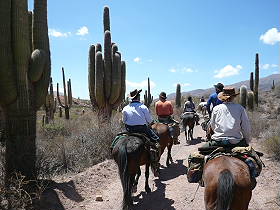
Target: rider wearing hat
<point>164,111</point>
<point>213,98</point>
<point>136,117</point>
<point>190,107</point>
<point>229,122</point>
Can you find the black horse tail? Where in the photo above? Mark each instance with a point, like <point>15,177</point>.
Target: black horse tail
<point>124,175</point>
<point>225,190</point>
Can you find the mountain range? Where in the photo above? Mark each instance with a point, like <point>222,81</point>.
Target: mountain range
<point>264,85</point>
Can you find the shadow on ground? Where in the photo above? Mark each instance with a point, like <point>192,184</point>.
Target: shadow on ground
<point>155,200</point>
<point>49,199</point>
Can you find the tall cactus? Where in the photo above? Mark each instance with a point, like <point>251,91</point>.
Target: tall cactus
<point>243,96</point>
<point>178,96</point>
<point>257,77</point>
<point>106,73</point>
<point>273,85</point>
<point>67,91</point>
<point>252,81</point>
<point>148,98</point>
<point>250,100</point>
<point>50,104</point>
<point>24,78</point>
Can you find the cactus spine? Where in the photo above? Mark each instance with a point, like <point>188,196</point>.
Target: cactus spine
<point>178,96</point>
<point>243,96</point>
<point>67,95</point>
<point>106,73</point>
<point>50,104</point>
<point>250,100</point>
<point>257,70</point>
<point>252,81</point>
<point>24,79</point>
<point>148,98</point>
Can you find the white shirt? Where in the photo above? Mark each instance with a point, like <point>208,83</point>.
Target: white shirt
<point>136,113</point>
<point>230,120</point>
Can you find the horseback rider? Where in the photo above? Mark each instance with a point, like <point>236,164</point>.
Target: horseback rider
<point>202,99</point>
<point>164,111</point>
<point>213,98</point>
<point>229,122</point>
<point>190,107</point>
<point>137,118</point>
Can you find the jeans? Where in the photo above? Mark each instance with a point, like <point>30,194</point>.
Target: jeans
<point>143,129</point>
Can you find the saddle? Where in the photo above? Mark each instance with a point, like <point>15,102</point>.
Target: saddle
<point>197,160</point>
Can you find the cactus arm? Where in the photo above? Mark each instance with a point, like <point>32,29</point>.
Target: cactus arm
<point>107,64</point>
<point>106,19</point>
<point>243,96</point>
<point>98,48</point>
<point>91,74</point>
<point>99,83</point>
<point>8,88</point>
<point>114,49</point>
<point>69,90</point>
<point>41,41</point>
<point>116,78</point>
<point>256,90</point>
<point>30,23</point>
<point>123,86</point>
<point>64,88</point>
<point>37,65</point>
<point>58,98</point>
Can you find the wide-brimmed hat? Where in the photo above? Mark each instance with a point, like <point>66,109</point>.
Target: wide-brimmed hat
<point>227,93</point>
<point>162,95</point>
<point>219,86</point>
<point>134,93</point>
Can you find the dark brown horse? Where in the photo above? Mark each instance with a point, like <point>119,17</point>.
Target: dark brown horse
<point>130,153</point>
<point>227,184</point>
<point>188,125</point>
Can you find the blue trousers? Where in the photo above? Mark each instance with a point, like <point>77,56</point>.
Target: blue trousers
<point>143,129</point>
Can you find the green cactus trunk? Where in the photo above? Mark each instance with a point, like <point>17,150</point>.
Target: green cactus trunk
<point>256,89</point>
<point>106,74</point>
<point>250,100</point>
<point>23,76</point>
<point>148,98</point>
<point>252,81</point>
<point>243,96</point>
<point>178,96</point>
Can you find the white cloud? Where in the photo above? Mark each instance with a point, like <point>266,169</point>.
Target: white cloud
<point>268,66</point>
<point>140,85</point>
<point>227,71</point>
<point>182,70</point>
<point>271,37</point>
<point>137,60</point>
<point>55,33</point>
<point>82,31</point>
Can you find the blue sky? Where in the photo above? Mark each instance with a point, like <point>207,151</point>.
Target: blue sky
<point>196,43</point>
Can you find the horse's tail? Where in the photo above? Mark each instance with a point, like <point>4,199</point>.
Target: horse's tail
<point>225,190</point>
<point>124,175</point>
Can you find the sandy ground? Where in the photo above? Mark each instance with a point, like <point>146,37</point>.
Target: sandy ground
<point>171,191</point>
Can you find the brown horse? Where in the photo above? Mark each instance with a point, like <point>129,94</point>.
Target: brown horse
<point>130,153</point>
<point>188,122</point>
<point>227,184</point>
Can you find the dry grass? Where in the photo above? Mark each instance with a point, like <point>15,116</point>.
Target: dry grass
<point>272,140</point>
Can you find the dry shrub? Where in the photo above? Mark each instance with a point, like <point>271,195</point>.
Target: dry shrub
<point>259,123</point>
<point>73,145</point>
<point>272,140</point>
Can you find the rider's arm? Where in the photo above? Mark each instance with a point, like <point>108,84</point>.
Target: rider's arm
<point>171,109</point>
<point>245,126</point>
<point>156,108</point>
<point>147,114</point>
<point>209,104</point>
<point>124,117</point>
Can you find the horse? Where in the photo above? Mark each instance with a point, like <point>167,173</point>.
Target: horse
<point>202,108</point>
<point>188,121</point>
<point>227,184</point>
<point>130,153</point>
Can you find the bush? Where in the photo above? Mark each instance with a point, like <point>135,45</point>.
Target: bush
<point>272,141</point>
<point>259,123</point>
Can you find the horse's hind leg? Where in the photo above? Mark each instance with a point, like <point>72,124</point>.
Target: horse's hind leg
<point>147,173</point>
<point>169,157</point>
<point>136,180</point>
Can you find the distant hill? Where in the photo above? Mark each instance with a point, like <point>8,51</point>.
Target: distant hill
<point>265,85</point>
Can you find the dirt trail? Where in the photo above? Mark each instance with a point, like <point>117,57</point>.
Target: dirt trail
<point>171,191</point>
